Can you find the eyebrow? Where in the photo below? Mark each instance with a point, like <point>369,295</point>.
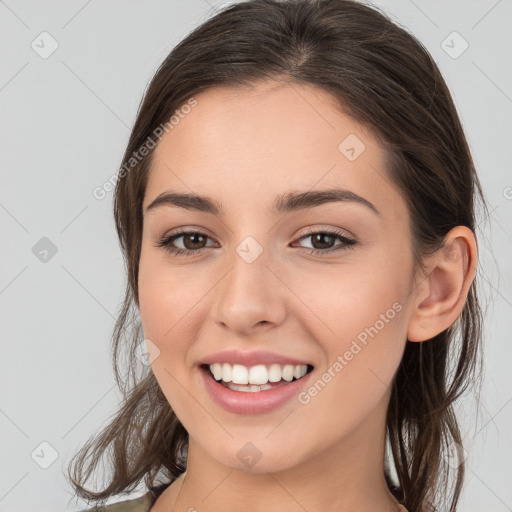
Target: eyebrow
<point>285,203</point>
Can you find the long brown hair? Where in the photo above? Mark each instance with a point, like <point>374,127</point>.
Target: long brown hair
<point>384,78</point>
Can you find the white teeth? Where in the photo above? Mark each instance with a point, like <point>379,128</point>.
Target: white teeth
<point>287,372</point>
<point>257,375</point>
<point>274,373</point>
<point>297,372</point>
<point>216,369</point>
<point>227,373</point>
<point>250,389</point>
<point>240,374</point>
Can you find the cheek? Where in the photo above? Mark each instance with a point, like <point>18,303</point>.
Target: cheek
<point>361,363</point>
<point>166,298</point>
<point>360,322</point>
<point>172,307</point>
<point>163,314</point>
<point>343,302</point>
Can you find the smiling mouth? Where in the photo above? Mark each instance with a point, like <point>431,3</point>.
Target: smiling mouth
<point>255,378</point>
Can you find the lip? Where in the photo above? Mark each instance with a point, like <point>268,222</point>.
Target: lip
<point>252,358</point>
<point>242,402</point>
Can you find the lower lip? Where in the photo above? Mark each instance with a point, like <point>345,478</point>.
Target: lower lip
<point>246,402</point>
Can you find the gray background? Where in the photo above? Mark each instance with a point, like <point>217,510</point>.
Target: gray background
<point>64,124</point>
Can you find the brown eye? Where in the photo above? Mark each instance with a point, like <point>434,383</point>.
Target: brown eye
<point>324,241</point>
<point>192,242</point>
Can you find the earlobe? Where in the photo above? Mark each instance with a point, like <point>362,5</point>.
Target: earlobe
<point>441,295</point>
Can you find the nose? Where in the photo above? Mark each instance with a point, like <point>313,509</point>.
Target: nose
<point>251,295</point>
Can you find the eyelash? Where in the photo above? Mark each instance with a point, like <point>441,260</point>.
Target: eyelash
<point>166,242</point>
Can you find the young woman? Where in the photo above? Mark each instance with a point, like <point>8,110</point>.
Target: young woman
<point>296,210</point>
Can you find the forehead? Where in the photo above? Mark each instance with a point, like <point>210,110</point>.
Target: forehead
<point>237,144</point>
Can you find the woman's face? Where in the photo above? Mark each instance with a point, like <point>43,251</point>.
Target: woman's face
<point>255,285</point>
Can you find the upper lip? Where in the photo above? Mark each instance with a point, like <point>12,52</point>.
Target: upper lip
<point>250,358</point>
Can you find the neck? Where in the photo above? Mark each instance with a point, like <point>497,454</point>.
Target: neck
<point>347,476</point>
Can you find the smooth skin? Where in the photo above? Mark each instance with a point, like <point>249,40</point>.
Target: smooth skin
<point>242,148</point>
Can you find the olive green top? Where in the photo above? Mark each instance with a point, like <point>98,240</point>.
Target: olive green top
<point>141,504</point>
<point>145,502</point>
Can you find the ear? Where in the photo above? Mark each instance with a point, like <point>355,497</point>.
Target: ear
<point>440,296</point>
